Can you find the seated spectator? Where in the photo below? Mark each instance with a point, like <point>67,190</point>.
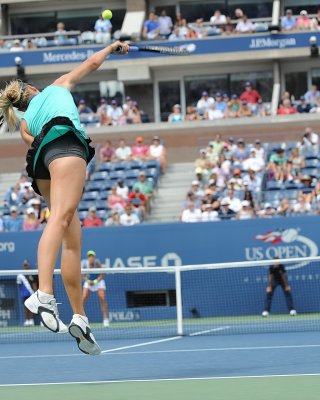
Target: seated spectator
<point>234,202</point>
<point>225,211</point>
<point>113,219</point>
<point>135,113</point>
<point>151,28</point>
<point>197,190</point>
<point>86,113</point>
<point>13,197</point>
<point>307,192</point>
<point>103,29</point>
<point>238,13</point>
<point>191,198</point>
<point>261,109</point>
<point>315,109</point>
<point>144,185</point>
<point>229,26</point>
<point>208,214</point>
<point>303,205</point>
<point>192,114</point>
<point>129,218</point>
<point>295,164</point>
<point>236,182</point>
<point>125,118</point>
<point>244,25</point>
<point>285,96</point>
<point>250,95</point>
<point>241,152</point>
<point>176,115</point>
<point>92,220</point>
<point>312,95</point>
<point>284,208</point>
<point>246,211</point>
<point>216,146</point>
<point>245,109</point>
<point>16,46</point>
<point>278,165</point>
<point>267,212</point>
<point>139,202</point>
<point>203,104</point>
<point>247,195</point>
<point>30,45</point>
<point>115,112</point>
<point>128,103</point>
<point>219,103</point>
<point>31,223</point>
<point>253,163</point>
<point>158,152</point>
<point>303,107</point>
<point>310,139</point>
<point>218,19</point>
<point>116,201</point>
<point>35,203</point>
<point>258,149</point>
<point>3,45</point>
<point>288,22</point>
<point>60,34</point>
<point>315,22</point>
<point>213,113</point>
<point>176,35</point>
<point>165,24</point>
<point>191,214</point>
<point>303,22</point>
<point>252,182</point>
<point>123,152</point>
<point>122,190</point>
<point>286,108</point>
<point>184,28</point>
<point>198,29</point>
<point>13,223</point>
<point>139,150</point>
<point>230,112</point>
<point>103,111</point>
<point>106,152</point>
<point>28,194</point>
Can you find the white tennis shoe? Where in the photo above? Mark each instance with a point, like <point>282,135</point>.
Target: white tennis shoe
<point>293,312</point>
<point>48,312</point>
<point>79,328</point>
<point>265,314</point>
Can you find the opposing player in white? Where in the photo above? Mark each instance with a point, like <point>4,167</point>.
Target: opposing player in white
<point>95,283</point>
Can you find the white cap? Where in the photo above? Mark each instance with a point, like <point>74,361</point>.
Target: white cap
<point>195,183</point>
<point>31,210</point>
<point>267,205</point>
<point>245,203</point>
<point>225,202</point>
<point>303,12</point>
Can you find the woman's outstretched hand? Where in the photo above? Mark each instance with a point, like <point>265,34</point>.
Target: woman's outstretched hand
<point>119,48</point>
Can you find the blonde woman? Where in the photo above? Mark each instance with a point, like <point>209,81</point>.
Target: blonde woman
<point>56,161</point>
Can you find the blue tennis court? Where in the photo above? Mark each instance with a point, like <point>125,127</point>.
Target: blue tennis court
<point>219,362</point>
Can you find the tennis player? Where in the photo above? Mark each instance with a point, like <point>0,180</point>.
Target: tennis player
<point>277,277</point>
<point>94,283</point>
<point>58,153</point>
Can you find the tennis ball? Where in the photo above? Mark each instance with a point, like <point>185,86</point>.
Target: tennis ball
<point>107,14</point>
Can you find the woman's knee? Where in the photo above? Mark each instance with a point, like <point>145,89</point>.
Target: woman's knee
<point>63,218</point>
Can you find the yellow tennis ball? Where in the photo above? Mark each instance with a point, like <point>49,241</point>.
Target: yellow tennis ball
<point>107,14</point>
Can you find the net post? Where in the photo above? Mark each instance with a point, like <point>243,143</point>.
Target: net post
<point>179,301</point>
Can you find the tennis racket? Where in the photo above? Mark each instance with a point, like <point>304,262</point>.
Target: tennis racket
<point>183,50</point>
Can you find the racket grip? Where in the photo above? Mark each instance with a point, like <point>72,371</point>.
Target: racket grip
<point>131,48</point>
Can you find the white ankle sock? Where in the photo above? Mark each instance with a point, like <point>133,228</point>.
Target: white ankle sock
<point>44,297</point>
<point>82,317</point>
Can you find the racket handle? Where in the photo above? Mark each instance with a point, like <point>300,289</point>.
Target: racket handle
<point>131,48</point>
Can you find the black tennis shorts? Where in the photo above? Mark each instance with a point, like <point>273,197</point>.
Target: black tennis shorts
<point>64,146</point>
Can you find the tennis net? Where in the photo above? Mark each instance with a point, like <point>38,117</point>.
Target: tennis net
<point>183,300</point>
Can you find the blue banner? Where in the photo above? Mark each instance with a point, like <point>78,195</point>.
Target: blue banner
<point>214,45</point>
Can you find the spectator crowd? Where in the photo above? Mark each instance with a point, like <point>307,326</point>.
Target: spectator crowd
<point>121,195</point>
<point>235,180</point>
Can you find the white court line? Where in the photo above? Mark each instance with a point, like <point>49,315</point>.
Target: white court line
<point>110,351</point>
<point>222,328</point>
<point>208,378</point>
<point>142,344</point>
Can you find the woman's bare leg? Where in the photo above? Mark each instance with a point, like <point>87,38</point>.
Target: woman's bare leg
<point>70,264</point>
<point>103,303</point>
<point>66,186</point>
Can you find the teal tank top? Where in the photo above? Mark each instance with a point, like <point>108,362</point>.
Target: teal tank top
<point>53,101</point>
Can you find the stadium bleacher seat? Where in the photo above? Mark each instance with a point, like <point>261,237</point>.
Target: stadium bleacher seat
<point>274,185</point>
<point>94,195</point>
<point>93,186</point>
<point>100,176</point>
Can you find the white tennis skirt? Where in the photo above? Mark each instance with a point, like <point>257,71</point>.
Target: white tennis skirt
<point>93,288</point>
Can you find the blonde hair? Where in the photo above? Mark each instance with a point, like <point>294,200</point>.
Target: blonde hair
<point>13,95</point>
